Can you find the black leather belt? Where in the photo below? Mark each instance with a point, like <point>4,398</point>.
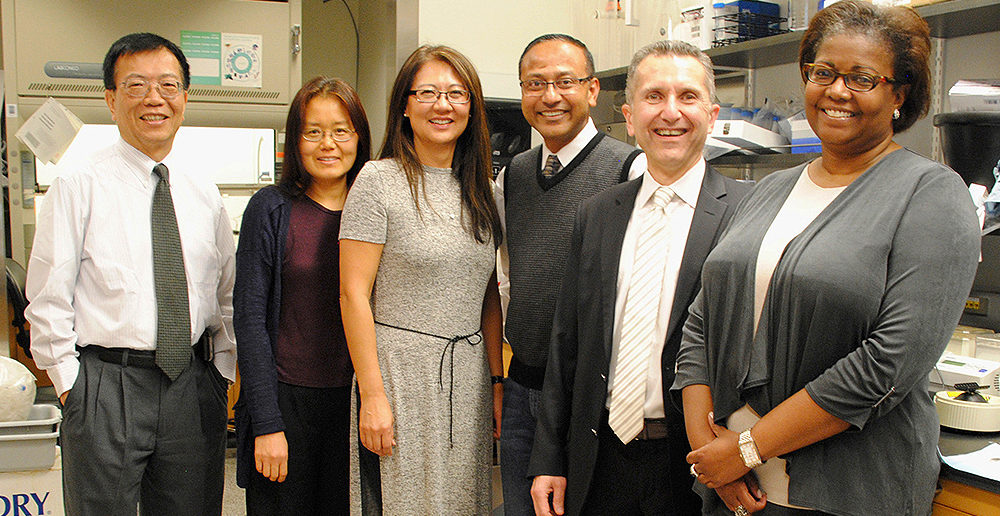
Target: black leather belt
<point>127,357</point>
<point>653,429</point>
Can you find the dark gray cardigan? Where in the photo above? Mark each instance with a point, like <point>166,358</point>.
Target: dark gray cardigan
<point>860,307</point>
<point>256,307</point>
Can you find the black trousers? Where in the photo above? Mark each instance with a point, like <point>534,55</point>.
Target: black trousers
<point>317,423</point>
<point>647,477</point>
<point>132,437</point>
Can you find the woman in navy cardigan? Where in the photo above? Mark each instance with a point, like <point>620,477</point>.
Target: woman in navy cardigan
<point>293,415</point>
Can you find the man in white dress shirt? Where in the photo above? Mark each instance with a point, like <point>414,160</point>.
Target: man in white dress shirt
<point>608,439</point>
<point>141,365</point>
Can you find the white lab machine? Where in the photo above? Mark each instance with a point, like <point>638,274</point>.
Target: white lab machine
<point>967,392</point>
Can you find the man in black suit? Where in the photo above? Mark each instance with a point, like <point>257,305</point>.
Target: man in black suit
<point>608,440</point>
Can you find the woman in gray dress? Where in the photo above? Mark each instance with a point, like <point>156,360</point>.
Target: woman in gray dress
<point>419,298</point>
<point>832,295</point>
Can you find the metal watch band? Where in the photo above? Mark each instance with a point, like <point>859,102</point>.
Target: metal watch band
<point>748,450</point>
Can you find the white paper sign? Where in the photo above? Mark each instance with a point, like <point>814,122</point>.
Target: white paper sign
<point>49,131</point>
<point>241,60</point>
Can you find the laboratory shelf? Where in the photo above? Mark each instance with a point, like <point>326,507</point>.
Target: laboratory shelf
<point>949,19</point>
<point>768,160</point>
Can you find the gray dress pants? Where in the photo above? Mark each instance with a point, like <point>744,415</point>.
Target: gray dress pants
<point>131,437</point>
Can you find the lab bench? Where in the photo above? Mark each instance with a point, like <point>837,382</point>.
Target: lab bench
<point>964,493</point>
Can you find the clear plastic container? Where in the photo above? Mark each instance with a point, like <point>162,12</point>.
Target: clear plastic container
<point>988,347</point>
<point>800,12</point>
<point>963,340</point>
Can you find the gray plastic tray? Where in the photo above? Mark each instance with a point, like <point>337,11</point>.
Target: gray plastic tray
<point>30,445</point>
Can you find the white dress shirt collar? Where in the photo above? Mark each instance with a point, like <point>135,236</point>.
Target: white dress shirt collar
<point>139,161</point>
<point>686,188</point>
<point>571,149</point>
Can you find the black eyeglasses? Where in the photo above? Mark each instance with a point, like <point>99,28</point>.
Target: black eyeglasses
<point>824,75</point>
<point>428,96</point>
<point>535,87</point>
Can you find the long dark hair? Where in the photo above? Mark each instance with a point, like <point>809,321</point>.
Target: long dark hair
<point>471,163</point>
<point>294,178</point>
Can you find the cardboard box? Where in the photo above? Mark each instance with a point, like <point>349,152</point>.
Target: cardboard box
<point>975,95</point>
<point>696,26</point>
<point>32,493</point>
<point>804,140</point>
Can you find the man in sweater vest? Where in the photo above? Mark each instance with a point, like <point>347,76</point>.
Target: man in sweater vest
<point>608,439</point>
<point>541,190</point>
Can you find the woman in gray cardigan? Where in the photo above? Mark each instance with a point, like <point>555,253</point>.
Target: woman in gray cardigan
<point>805,357</point>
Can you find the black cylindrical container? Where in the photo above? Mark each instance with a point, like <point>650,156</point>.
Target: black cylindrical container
<point>971,144</point>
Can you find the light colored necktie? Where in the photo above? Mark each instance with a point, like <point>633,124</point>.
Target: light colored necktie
<point>552,166</point>
<point>642,305</point>
<point>173,318</point>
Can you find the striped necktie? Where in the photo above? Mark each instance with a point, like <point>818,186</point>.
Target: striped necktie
<point>642,305</point>
<point>552,166</point>
<point>173,318</point>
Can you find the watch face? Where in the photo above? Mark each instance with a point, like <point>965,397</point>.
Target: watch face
<point>748,450</point>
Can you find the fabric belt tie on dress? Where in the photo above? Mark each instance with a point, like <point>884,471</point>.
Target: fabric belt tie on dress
<point>449,350</point>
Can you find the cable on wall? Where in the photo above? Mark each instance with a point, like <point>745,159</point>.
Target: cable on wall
<point>357,44</point>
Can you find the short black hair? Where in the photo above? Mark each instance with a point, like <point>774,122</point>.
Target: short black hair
<point>559,37</point>
<point>141,42</point>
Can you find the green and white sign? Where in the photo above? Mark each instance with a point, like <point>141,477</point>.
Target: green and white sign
<point>204,54</point>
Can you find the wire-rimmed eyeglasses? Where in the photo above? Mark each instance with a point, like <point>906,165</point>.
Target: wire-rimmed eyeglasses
<point>340,134</point>
<point>535,87</point>
<point>138,87</point>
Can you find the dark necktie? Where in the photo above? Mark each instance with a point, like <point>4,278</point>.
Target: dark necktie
<point>552,166</point>
<point>173,319</point>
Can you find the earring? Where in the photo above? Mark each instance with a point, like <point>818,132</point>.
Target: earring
<point>895,114</point>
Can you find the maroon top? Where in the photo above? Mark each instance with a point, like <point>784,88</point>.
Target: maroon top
<point>311,349</point>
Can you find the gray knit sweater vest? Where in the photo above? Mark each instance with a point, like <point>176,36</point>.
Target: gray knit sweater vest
<point>539,220</point>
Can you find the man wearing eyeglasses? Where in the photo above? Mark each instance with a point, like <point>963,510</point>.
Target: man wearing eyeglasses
<point>609,440</point>
<point>130,281</point>
<point>537,196</point>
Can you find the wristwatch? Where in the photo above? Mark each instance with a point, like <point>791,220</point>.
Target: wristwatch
<point>748,450</point>
<point>496,379</point>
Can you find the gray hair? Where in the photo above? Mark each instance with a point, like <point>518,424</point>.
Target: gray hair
<point>670,48</point>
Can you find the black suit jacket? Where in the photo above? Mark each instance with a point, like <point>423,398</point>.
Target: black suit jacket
<point>576,378</point>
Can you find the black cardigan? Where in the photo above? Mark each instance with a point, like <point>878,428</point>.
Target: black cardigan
<point>256,308</point>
